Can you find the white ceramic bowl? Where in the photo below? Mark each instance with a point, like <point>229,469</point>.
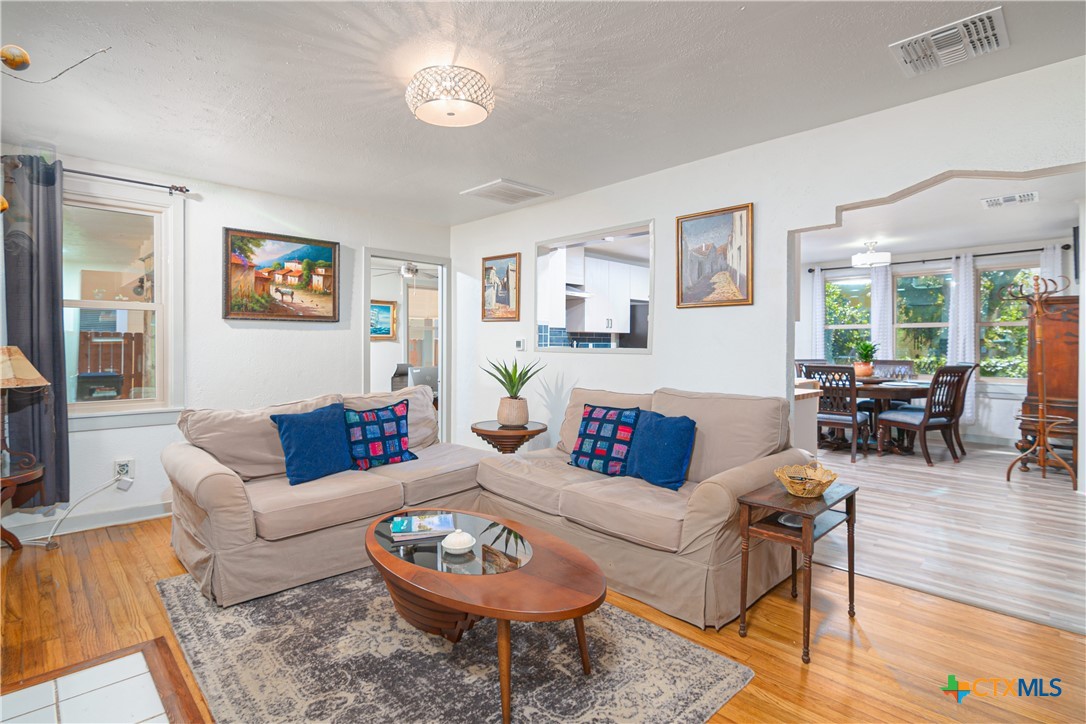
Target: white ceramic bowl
<point>458,542</point>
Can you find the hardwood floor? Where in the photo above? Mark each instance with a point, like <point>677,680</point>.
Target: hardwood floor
<point>97,594</point>
<point>962,531</point>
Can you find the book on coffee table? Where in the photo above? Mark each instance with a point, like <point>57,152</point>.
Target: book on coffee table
<point>420,527</point>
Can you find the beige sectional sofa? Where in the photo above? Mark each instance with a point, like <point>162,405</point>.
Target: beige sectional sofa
<point>243,531</point>
<point>679,550</point>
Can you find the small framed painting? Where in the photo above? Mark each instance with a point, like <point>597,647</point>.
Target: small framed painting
<point>715,264</point>
<point>382,320</point>
<point>279,277</point>
<point>501,288</point>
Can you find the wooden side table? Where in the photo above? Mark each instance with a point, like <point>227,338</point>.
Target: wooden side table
<point>817,520</point>
<point>507,440</point>
<point>20,486</point>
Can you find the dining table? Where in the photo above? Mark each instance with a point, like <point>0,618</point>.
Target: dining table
<point>884,390</point>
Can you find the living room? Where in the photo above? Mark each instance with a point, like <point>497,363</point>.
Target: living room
<point>790,138</point>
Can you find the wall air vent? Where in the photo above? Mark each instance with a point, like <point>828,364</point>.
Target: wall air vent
<point>1013,200</point>
<point>976,35</point>
<point>506,192</point>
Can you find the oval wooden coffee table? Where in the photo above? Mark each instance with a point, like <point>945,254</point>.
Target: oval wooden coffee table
<point>513,573</point>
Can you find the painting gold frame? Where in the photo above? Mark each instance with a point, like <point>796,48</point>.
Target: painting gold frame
<point>746,212</point>
<point>515,316</point>
<point>393,314</point>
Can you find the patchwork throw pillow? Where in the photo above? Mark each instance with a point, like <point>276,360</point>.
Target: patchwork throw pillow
<point>660,453</point>
<point>314,443</point>
<point>379,436</point>
<point>603,442</point>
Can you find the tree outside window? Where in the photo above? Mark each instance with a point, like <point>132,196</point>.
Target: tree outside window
<point>848,317</point>
<point>1002,325</point>
<point>922,320</point>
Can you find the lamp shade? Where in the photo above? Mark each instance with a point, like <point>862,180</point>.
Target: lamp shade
<point>17,372</point>
<point>870,258</point>
<point>450,95</point>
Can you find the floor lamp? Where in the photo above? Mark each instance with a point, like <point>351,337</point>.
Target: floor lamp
<point>22,473</point>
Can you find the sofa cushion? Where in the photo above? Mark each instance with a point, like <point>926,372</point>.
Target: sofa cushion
<point>421,415</point>
<point>246,441</point>
<point>441,469</point>
<point>314,443</point>
<point>661,449</point>
<point>379,437</point>
<point>282,510</point>
<point>535,478</point>
<point>604,438</point>
<point>630,509</point>
<point>731,429</point>
<point>579,397</point>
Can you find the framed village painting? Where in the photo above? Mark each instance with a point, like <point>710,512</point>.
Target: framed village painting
<point>382,320</point>
<point>501,288</point>
<point>279,277</point>
<point>715,258</point>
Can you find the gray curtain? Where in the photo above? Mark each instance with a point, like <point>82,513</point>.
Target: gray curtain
<point>33,226</point>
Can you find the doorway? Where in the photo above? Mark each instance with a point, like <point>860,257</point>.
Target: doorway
<point>406,297</point>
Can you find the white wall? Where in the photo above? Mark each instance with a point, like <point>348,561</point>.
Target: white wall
<point>236,363</point>
<point>1031,120</point>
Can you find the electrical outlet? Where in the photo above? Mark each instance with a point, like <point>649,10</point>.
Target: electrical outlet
<point>123,469</point>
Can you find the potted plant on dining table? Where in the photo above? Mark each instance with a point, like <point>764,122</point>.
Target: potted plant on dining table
<point>864,364</point>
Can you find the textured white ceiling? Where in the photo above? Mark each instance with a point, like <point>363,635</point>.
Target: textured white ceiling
<point>307,98</point>
<point>950,216</point>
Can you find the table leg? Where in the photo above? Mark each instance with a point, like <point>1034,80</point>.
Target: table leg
<point>794,594</point>
<point>808,546</point>
<point>582,643</point>
<point>744,533</point>
<point>850,509</point>
<point>505,654</point>
<point>6,535</point>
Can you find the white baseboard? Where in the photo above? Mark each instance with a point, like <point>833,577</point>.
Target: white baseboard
<point>88,521</point>
<point>990,440</point>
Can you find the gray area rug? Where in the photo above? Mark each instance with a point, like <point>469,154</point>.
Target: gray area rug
<point>336,650</point>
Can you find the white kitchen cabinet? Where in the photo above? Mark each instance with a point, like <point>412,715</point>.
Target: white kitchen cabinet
<point>639,283</point>
<point>574,265</point>
<point>606,309</point>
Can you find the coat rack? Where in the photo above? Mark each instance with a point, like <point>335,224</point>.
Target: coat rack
<point>1048,426</point>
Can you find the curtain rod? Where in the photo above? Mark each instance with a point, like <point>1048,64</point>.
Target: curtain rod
<point>1065,247</point>
<point>178,189</point>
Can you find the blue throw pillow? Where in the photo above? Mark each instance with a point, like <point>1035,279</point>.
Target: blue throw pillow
<point>603,442</point>
<point>379,437</point>
<point>661,450</point>
<point>314,443</point>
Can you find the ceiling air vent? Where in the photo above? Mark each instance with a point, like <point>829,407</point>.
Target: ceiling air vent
<point>1013,200</point>
<point>506,192</point>
<point>976,35</point>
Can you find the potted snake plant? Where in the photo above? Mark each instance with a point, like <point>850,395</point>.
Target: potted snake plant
<point>513,409</point>
<point>865,358</point>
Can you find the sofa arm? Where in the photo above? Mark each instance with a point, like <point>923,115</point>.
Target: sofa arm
<point>225,518</point>
<point>716,501</point>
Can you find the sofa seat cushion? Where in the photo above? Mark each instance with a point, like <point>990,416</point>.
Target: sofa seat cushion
<point>282,510</point>
<point>628,508</point>
<point>441,469</point>
<point>535,479</point>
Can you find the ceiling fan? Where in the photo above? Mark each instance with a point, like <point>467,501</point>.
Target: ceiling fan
<point>407,271</point>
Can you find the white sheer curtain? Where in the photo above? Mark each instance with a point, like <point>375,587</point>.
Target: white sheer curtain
<point>882,311</point>
<point>962,345</point>
<point>818,314</point>
<point>1051,262</point>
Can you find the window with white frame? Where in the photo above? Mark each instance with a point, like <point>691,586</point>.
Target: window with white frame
<point>848,316</point>
<point>118,315</point>
<point>1002,324</point>
<point>922,319</point>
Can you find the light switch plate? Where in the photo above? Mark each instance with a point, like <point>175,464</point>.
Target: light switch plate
<point>520,345</point>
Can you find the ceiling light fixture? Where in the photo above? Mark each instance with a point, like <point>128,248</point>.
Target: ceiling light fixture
<point>871,257</point>
<point>450,95</point>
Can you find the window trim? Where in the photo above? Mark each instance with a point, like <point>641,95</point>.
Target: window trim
<point>168,213</point>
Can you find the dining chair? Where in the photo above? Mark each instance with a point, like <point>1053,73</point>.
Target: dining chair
<point>961,408</point>
<point>801,365</point>
<point>837,403</point>
<point>940,411</point>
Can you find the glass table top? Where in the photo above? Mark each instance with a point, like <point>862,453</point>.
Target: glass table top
<point>418,538</point>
